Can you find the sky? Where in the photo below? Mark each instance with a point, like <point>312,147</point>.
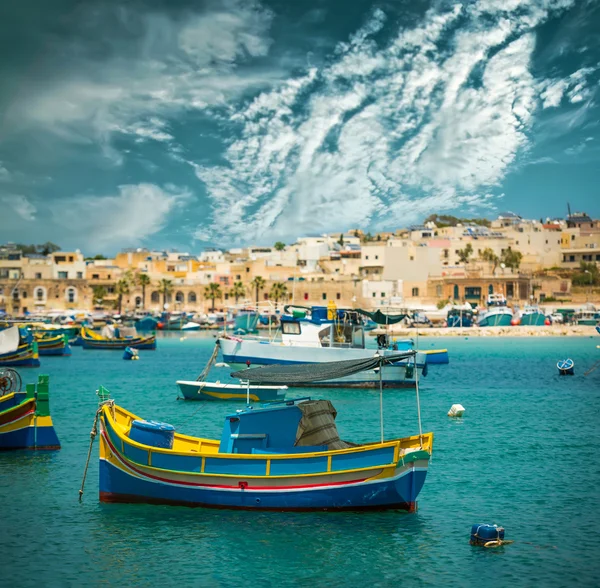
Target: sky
<point>188,124</point>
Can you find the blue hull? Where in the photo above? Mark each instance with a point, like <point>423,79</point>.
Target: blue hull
<point>29,362</point>
<point>535,319</point>
<point>455,321</point>
<point>496,320</point>
<point>117,486</point>
<point>29,438</point>
<point>437,357</point>
<point>66,350</point>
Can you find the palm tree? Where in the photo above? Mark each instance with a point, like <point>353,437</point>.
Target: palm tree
<point>166,287</point>
<point>278,291</point>
<point>121,289</point>
<point>143,280</point>
<point>258,283</point>
<point>213,291</point>
<point>237,291</point>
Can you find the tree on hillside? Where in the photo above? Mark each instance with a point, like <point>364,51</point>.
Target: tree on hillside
<point>279,246</point>
<point>166,287</point>
<point>258,284</point>
<point>489,256</point>
<point>143,280</point>
<point>278,292</point>
<point>464,254</point>
<point>511,259</point>
<point>447,220</point>
<point>98,293</point>
<point>586,275</point>
<point>237,291</point>
<point>212,292</point>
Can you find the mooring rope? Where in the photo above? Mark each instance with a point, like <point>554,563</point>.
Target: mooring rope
<point>212,359</point>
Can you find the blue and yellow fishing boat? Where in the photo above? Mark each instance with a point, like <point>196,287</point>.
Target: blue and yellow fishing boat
<point>25,421</point>
<point>284,456</point>
<point>53,345</point>
<point>92,340</point>
<point>17,348</point>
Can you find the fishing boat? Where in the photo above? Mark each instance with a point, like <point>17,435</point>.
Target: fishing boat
<point>497,314</point>
<point>194,390</point>
<point>459,317</point>
<point>52,345</point>
<point>245,321</point>
<point>587,315</point>
<point>566,367</point>
<point>532,315</point>
<point>436,356</point>
<point>92,340</point>
<point>25,421</point>
<point>172,322</point>
<point>283,456</point>
<point>323,334</point>
<point>432,356</point>
<point>18,349</point>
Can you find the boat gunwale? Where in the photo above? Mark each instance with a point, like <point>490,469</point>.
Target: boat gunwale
<point>231,385</point>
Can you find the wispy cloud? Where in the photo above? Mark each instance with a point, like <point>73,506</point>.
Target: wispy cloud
<point>430,121</point>
<point>20,205</point>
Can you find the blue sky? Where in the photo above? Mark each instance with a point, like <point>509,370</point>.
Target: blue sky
<point>185,124</point>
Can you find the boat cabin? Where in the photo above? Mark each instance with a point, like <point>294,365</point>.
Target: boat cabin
<point>496,300</point>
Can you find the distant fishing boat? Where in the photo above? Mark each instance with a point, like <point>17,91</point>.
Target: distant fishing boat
<point>18,349</point>
<point>587,315</point>
<point>53,345</point>
<point>531,315</point>
<point>194,390</point>
<point>25,421</point>
<point>171,322</point>
<point>566,367</point>
<point>245,321</point>
<point>92,340</point>
<point>323,334</point>
<point>283,456</point>
<point>459,317</point>
<point>497,313</point>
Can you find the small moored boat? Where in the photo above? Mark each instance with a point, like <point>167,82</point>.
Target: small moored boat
<point>566,367</point>
<point>92,340</point>
<point>18,349</point>
<point>194,390</point>
<point>53,344</point>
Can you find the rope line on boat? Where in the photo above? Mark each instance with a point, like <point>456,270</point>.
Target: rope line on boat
<point>212,360</point>
<point>592,369</point>
<point>93,434</point>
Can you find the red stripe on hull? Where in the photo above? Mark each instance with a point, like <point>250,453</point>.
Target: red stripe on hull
<point>132,499</point>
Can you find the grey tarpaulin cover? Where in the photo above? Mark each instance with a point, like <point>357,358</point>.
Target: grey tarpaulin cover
<point>315,372</point>
<point>317,425</point>
<point>382,319</point>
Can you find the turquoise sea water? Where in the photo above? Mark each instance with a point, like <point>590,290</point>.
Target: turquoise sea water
<point>526,455</point>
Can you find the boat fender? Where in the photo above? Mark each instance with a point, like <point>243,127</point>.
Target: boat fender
<point>456,410</point>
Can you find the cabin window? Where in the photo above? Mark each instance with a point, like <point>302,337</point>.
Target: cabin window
<point>325,336</point>
<point>290,328</point>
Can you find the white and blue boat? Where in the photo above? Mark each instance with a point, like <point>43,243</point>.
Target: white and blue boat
<point>566,367</point>
<point>196,390</point>
<point>319,335</point>
<point>498,314</point>
<point>459,317</point>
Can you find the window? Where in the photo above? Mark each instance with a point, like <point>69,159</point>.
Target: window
<point>374,294</point>
<point>265,296</point>
<point>108,277</point>
<point>517,242</point>
<point>39,294</point>
<point>38,276</point>
<point>192,297</point>
<point>305,295</point>
<point>226,295</point>
<point>24,294</point>
<point>60,259</point>
<point>415,291</point>
<point>597,257</point>
<point>71,258</point>
<point>110,289</point>
<point>155,297</point>
<point>80,275</point>
<point>290,328</point>
<point>572,237</point>
<point>438,291</point>
<point>247,270</point>
<point>377,257</point>
<point>473,292</point>
<point>338,296</point>
<point>366,257</point>
<point>587,258</point>
<point>571,258</point>
<point>546,241</point>
<point>71,294</point>
<point>412,258</point>
<point>383,294</point>
<point>63,275</point>
<point>95,276</point>
<point>179,297</point>
<point>238,277</point>
<point>324,296</point>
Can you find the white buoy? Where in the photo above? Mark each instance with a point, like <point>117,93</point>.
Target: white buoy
<point>182,338</point>
<point>456,410</point>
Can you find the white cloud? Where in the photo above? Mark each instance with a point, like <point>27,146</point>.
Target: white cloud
<point>5,175</point>
<point>126,218</point>
<point>430,121</point>
<point>20,205</point>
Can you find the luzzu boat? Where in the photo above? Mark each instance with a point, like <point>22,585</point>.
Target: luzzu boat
<point>92,340</point>
<point>284,456</point>
<point>53,345</point>
<point>17,348</point>
<point>25,421</point>
<point>196,390</point>
<point>319,335</point>
<point>497,313</point>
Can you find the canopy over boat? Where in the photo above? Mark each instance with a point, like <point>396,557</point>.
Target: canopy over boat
<point>382,319</point>
<point>9,340</point>
<point>315,372</point>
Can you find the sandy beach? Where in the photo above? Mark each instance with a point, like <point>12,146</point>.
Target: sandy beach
<point>516,331</point>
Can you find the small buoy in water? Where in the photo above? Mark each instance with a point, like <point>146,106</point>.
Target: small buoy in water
<point>182,338</point>
<point>488,535</point>
<point>456,410</point>
<point>130,353</point>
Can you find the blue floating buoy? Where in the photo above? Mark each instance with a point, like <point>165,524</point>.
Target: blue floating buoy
<point>566,367</point>
<point>130,353</point>
<point>487,535</point>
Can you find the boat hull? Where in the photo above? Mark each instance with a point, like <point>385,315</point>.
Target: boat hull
<point>24,356</point>
<point>141,343</point>
<point>534,319</point>
<point>53,346</point>
<point>437,356</point>
<point>241,353</point>
<point>496,319</point>
<point>208,391</point>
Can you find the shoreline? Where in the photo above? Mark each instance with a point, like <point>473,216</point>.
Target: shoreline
<point>512,331</point>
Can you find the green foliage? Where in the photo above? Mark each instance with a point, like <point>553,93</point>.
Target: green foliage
<point>99,293</point>
<point>166,287</point>
<point>586,275</point>
<point>511,258</point>
<point>441,303</point>
<point>258,284</point>
<point>464,254</point>
<point>447,220</point>
<point>488,255</point>
<point>212,292</point>
<point>98,256</point>
<point>43,249</point>
<point>122,289</point>
<point>237,291</point>
<point>278,292</point>
<point>279,246</point>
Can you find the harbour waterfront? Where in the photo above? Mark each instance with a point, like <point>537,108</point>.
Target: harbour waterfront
<point>526,455</point>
